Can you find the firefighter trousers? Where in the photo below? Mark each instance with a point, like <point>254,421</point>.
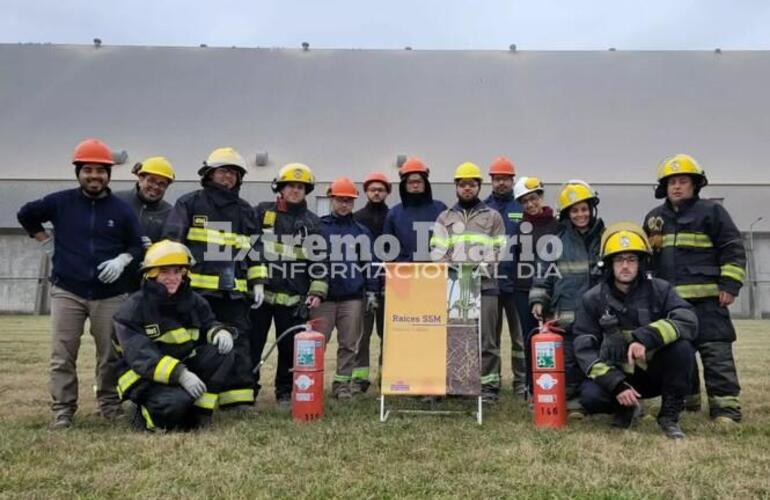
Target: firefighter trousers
<point>668,374</point>
<point>261,321</point>
<point>507,304</point>
<point>716,334</point>
<point>490,345</point>
<point>233,312</point>
<point>372,319</point>
<point>170,407</point>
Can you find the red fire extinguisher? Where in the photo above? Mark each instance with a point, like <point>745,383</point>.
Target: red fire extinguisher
<point>307,396</point>
<point>549,382</point>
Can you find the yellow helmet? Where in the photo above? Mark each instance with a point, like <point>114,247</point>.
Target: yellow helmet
<point>679,164</point>
<point>468,170</point>
<point>294,172</point>
<point>574,191</point>
<point>165,253</point>
<point>155,165</point>
<point>623,237</point>
<point>224,157</point>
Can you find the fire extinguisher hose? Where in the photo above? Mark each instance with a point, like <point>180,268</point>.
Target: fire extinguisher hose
<point>280,337</point>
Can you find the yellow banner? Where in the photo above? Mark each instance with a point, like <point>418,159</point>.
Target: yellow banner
<point>414,356</point>
<point>417,315</point>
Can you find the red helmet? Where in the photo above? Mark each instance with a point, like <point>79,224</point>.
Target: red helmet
<point>502,166</point>
<point>377,177</point>
<point>413,166</point>
<point>92,151</point>
<point>343,187</point>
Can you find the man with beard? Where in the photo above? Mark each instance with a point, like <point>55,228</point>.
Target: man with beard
<point>377,188</point>
<point>502,173</point>
<point>632,335</point>
<point>96,236</point>
<point>206,221</point>
<point>417,206</point>
<point>472,232</point>
<point>155,175</point>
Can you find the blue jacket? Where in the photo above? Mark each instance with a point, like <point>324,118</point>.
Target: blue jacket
<point>87,232</point>
<point>512,212</point>
<point>347,281</point>
<point>399,224</point>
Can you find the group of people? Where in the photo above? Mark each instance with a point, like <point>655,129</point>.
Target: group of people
<point>634,302</point>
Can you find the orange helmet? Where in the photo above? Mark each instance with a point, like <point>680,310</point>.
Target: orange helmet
<point>343,187</point>
<point>377,177</point>
<point>413,166</point>
<point>92,151</point>
<point>502,166</point>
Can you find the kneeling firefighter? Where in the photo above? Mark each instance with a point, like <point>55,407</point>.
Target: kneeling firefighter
<point>175,357</point>
<point>633,335</point>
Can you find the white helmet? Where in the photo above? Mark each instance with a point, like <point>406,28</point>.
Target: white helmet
<point>526,185</point>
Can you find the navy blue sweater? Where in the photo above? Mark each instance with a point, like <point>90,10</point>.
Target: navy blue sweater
<point>511,211</point>
<point>347,282</point>
<point>87,232</point>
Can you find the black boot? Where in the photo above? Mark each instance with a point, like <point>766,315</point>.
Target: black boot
<point>668,418</point>
<point>626,416</point>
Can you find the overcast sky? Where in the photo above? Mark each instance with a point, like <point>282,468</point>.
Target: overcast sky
<point>421,24</point>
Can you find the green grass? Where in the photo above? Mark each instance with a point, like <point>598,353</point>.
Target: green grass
<point>351,454</point>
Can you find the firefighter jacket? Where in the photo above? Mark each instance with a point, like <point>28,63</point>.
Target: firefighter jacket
<point>217,226</point>
<point>156,332</point>
<point>475,234</point>
<point>697,248</point>
<point>152,215</point>
<point>87,232</point>
<point>349,278</point>
<point>511,211</point>
<point>288,230</point>
<point>560,292</point>
<point>401,219</point>
<point>651,313</point>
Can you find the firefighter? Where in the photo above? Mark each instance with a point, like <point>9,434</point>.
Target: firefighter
<point>537,223</point>
<point>417,207</point>
<point>154,176</point>
<point>295,283</point>
<point>175,358</point>
<point>556,291</point>
<point>471,231</point>
<point>218,226</point>
<point>632,335</point>
<point>699,250</point>
<point>377,188</point>
<point>96,236</point>
<point>502,173</point>
<point>352,284</point>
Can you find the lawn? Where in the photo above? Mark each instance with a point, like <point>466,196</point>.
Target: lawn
<point>351,454</point>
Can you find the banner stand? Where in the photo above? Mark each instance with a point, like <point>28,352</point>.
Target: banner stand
<point>384,414</point>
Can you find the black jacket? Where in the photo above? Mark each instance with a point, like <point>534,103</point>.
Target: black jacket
<point>291,274</point>
<point>156,332</point>
<point>152,215</point>
<point>651,313</point>
<point>373,217</point>
<point>216,219</point>
<point>697,248</point>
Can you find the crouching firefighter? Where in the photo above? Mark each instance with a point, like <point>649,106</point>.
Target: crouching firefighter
<point>175,358</point>
<point>633,336</point>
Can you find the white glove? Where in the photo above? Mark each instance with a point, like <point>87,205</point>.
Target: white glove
<point>146,242</point>
<point>371,302</point>
<point>259,296</point>
<point>224,341</point>
<point>113,268</point>
<point>192,384</point>
<point>47,247</point>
